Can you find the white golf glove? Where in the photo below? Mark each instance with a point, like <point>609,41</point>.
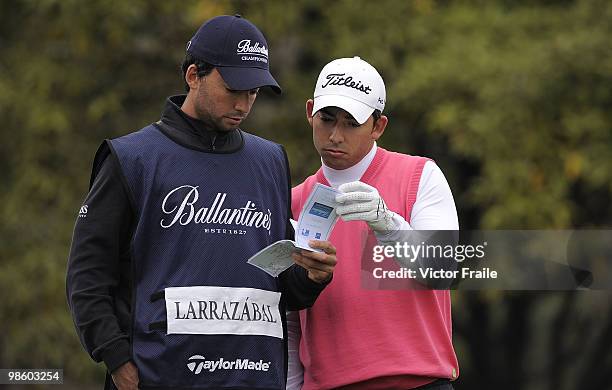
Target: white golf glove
<point>362,202</point>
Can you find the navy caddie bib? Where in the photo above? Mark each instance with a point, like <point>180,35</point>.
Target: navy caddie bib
<point>202,316</point>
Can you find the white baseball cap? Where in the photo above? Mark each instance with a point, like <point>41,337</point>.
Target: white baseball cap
<point>351,84</point>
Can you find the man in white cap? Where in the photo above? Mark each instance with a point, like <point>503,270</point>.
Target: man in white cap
<point>352,337</point>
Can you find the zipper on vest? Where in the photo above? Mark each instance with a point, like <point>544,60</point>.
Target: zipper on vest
<point>212,143</point>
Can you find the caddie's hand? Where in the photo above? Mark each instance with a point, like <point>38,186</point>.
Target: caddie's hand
<point>362,202</point>
<point>126,377</point>
<point>320,266</point>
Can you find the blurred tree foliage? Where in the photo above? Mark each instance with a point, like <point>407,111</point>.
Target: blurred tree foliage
<point>511,98</point>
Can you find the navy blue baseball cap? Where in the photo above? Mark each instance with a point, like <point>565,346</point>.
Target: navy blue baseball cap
<point>237,49</point>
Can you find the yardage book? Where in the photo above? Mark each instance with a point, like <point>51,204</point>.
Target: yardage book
<point>316,221</point>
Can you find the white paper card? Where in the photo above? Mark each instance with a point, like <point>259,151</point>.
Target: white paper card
<point>318,216</point>
<point>316,221</point>
<point>275,258</point>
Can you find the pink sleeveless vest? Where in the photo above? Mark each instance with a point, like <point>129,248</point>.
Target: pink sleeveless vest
<point>358,336</point>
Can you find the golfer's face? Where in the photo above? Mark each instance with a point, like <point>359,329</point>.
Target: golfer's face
<point>220,106</point>
<point>340,140</point>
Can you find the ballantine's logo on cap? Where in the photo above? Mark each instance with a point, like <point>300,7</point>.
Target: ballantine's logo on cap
<point>339,79</point>
<point>245,46</point>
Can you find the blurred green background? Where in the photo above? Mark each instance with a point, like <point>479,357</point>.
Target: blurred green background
<point>513,99</point>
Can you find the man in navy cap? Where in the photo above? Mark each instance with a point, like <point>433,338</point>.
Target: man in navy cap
<point>157,281</point>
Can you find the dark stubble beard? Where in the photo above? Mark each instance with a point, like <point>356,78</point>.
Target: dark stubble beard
<point>206,118</point>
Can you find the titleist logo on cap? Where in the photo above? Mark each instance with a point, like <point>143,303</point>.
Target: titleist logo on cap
<point>245,46</point>
<point>339,79</point>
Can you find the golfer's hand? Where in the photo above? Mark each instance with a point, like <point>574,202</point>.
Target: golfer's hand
<point>126,377</point>
<point>361,202</point>
<point>320,266</point>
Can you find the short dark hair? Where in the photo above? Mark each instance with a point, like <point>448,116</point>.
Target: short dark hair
<point>376,114</point>
<point>204,68</point>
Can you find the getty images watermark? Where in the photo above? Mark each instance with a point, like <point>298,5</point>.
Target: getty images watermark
<point>404,252</point>
<point>488,259</point>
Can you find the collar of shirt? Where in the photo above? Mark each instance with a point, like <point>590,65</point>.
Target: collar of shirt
<point>337,177</point>
<point>192,133</point>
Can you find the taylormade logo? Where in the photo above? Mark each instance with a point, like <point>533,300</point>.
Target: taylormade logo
<point>198,363</point>
<point>83,211</point>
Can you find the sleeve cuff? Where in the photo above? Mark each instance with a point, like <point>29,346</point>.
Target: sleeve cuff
<point>308,284</point>
<point>395,235</point>
<point>116,355</point>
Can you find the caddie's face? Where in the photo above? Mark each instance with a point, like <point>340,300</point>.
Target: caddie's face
<point>340,140</point>
<point>217,105</point>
